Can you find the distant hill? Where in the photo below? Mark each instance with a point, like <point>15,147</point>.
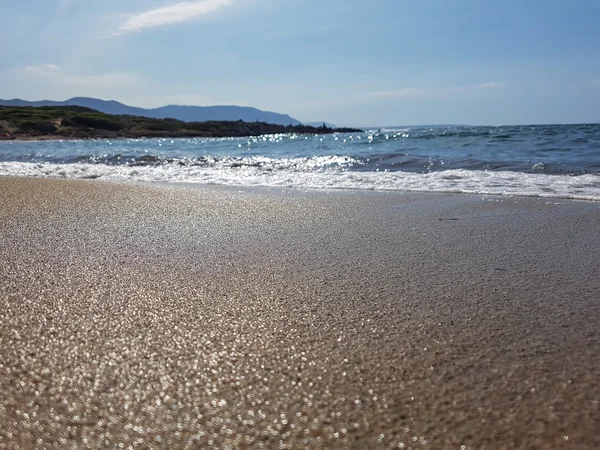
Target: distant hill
<point>184,113</point>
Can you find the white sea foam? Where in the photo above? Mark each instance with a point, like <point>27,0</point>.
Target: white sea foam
<point>585,187</point>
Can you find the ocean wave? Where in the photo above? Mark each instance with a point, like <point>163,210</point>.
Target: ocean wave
<point>299,174</point>
<point>225,162</point>
<point>550,150</point>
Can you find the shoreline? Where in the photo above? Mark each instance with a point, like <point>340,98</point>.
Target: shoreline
<point>226,316</point>
<point>316,189</point>
<point>52,138</point>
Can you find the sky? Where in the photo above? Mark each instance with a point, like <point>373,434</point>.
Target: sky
<point>347,62</point>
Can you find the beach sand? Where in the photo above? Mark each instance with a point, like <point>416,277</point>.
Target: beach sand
<point>180,317</point>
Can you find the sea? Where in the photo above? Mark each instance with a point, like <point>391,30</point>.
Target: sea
<point>553,161</point>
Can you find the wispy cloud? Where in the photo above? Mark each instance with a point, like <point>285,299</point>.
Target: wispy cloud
<point>429,91</point>
<point>54,74</point>
<point>51,81</point>
<point>42,70</point>
<point>178,12</point>
<point>491,84</point>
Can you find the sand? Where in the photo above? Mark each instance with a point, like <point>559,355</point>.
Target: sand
<point>178,317</point>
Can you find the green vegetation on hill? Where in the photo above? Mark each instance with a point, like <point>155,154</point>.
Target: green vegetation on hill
<point>77,122</point>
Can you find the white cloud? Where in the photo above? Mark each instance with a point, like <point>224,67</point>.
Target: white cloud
<point>491,84</point>
<point>178,12</point>
<point>433,91</point>
<point>42,70</point>
<point>54,74</point>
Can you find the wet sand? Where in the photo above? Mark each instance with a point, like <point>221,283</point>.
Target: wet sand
<point>174,317</point>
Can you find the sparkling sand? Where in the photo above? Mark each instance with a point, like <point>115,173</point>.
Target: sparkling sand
<point>178,317</point>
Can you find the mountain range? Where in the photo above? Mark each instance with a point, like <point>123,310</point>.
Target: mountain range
<point>184,113</point>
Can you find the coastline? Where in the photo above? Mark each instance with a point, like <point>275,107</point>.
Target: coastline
<point>73,122</point>
<point>214,316</point>
<point>100,137</point>
<point>50,137</point>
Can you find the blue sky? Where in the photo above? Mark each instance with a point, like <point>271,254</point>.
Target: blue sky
<point>349,62</point>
